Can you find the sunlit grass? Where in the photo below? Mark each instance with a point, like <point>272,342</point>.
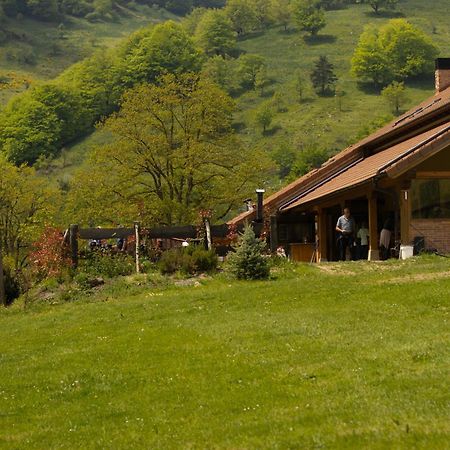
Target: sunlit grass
<point>344,356</point>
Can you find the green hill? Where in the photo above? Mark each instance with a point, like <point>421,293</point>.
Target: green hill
<point>314,121</point>
<point>33,51</point>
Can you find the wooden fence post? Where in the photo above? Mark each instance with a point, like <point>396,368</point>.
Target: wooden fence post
<point>73,241</point>
<point>2,279</point>
<point>208,234</point>
<point>138,244</point>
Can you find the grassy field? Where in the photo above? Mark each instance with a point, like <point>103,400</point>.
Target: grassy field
<point>332,356</point>
<point>37,51</point>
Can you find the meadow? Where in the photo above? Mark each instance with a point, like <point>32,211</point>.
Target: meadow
<point>332,356</point>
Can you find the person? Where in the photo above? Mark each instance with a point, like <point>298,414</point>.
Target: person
<point>345,227</point>
<point>385,238</point>
<point>281,252</point>
<point>363,236</point>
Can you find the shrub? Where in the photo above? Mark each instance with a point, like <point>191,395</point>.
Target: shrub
<point>109,266</point>
<point>12,286</point>
<point>191,260</point>
<point>247,262</point>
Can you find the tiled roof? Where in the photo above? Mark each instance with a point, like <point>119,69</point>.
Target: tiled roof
<point>374,165</point>
<point>403,125</point>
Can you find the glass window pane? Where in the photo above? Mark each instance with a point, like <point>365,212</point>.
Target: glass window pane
<point>430,198</point>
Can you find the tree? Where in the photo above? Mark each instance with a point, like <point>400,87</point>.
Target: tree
<point>261,79</point>
<point>215,34</point>
<point>339,94</point>
<point>264,117</point>
<point>248,67</point>
<point>395,95</point>
<point>396,51</point>
<point>323,77</point>
<point>174,153</point>
<point>242,14</point>
<point>378,4</point>
<point>279,102</point>
<point>308,16</point>
<point>247,262</point>
<point>281,12</point>
<point>299,86</point>
<point>191,21</point>
<point>167,49</point>
<point>222,71</point>
<point>44,9</point>
<point>263,12</point>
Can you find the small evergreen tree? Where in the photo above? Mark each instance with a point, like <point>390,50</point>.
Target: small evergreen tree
<point>323,77</point>
<point>247,261</point>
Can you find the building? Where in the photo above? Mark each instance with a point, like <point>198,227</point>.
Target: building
<point>400,172</point>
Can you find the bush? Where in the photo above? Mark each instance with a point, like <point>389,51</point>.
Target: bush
<point>191,260</point>
<point>109,266</point>
<point>247,262</point>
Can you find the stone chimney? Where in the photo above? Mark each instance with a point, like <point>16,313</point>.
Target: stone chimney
<point>442,74</point>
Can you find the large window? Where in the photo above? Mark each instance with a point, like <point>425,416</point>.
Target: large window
<point>430,198</point>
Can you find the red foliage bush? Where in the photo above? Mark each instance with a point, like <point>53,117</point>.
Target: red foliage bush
<point>49,255</point>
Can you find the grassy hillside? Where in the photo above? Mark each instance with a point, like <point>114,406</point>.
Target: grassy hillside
<point>334,356</point>
<point>317,121</point>
<point>36,51</point>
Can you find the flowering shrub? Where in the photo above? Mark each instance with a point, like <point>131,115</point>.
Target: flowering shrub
<point>49,256</point>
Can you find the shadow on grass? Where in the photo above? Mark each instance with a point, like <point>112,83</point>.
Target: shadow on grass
<point>254,34</point>
<point>271,131</point>
<point>320,39</point>
<point>238,126</point>
<point>385,14</point>
<point>369,88</point>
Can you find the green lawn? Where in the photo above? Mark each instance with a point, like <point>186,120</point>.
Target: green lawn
<point>350,356</point>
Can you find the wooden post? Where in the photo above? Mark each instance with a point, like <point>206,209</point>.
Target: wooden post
<point>138,244</point>
<point>321,236</point>
<point>374,251</point>
<point>208,234</point>
<point>73,240</point>
<point>405,216</point>
<point>2,279</point>
<point>273,234</point>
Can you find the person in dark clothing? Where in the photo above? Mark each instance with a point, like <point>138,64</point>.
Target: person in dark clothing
<point>345,227</point>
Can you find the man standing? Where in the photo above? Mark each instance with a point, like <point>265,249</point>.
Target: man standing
<point>346,228</point>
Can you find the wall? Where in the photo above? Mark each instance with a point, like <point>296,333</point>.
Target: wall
<point>436,232</point>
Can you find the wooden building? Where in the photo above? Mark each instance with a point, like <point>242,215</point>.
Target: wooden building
<point>401,172</point>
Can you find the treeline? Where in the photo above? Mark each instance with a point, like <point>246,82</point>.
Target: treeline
<point>42,120</point>
<point>93,9</point>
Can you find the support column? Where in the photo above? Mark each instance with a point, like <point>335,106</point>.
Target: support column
<point>73,240</point>
<point>273,234</point>
<point>374,251</point>
<point>321,235</point>
<point>405,216</point>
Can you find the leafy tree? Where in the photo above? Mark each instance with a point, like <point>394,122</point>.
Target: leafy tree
<point>174,153</point>
<point>395,95</point>
<point>379,4</point>
<point>248,67</point>
<point>308,15</point>
<point>243,15</point>
<point>191,21</point>
<point>299,86</point>
<point>264,117</point>
<point>263,12</point>
<point>247,262</point>
<point>167,49</point>
<point>222,71</point>
<point>44,9</point>
<point>26,204</point>
<point>396,51</point>
<point>339,94</point>
<point>281,12</point>
<point>28,129</point>
<point>261,79</point>
<point>323,77</point>
<point>310,157</point>
<point>215,34</point>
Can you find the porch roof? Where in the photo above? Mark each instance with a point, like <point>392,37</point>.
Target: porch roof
<point>391,162</point>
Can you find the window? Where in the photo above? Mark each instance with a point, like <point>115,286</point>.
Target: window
<point>430,198</point>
